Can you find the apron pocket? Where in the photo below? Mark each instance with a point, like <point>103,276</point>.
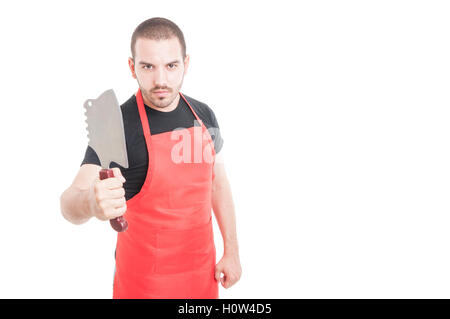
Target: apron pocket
<point>184,250</point>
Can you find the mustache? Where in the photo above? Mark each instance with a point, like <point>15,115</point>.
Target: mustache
<point>165,88</point>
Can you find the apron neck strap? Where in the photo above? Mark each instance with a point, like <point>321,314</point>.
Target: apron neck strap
<point>142,113</point>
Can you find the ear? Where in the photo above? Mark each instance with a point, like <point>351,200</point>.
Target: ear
<point>186,64</point>
<point>131,65</point>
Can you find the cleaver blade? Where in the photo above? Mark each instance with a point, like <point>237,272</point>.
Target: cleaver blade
<point>105,129</point>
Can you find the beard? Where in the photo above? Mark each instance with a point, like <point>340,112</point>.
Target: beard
<point>163,101</point>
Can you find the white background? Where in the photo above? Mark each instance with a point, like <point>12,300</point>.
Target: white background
<point>335,116</point>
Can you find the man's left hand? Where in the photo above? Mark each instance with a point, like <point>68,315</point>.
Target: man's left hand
<point>230,266</point>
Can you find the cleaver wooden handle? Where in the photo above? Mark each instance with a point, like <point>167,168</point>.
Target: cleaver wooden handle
<point>119,223</point>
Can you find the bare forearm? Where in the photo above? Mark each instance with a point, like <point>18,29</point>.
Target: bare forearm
<point>75,205</point>
<point>223,206</point>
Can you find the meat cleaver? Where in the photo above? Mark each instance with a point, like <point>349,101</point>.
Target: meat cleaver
<point>106,136</point>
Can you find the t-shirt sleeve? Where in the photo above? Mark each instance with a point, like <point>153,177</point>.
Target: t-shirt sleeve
<point>90,157</point>
<point>214,131</point>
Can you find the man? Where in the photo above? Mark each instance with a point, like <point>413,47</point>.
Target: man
<point>175,177</point>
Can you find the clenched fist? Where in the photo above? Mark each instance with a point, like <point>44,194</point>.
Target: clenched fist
<point>107,197</point>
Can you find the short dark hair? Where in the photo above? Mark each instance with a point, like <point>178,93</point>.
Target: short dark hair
<point>158,29</point>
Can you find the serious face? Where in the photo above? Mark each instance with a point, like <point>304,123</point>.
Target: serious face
<point>159,69</point>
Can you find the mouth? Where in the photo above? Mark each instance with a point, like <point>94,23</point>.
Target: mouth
<point>161,93</point>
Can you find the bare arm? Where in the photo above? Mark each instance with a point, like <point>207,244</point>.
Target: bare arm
<point>223,207</point>
<point>75,199</point>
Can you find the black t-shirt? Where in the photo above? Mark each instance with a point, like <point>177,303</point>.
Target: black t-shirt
<point>160,122</point>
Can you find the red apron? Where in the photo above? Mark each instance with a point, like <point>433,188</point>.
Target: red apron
<point>168,249</point>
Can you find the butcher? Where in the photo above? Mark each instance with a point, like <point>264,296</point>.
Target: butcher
<point>176,178</point>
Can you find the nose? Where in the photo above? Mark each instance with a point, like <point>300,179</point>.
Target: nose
<point>161,78</point>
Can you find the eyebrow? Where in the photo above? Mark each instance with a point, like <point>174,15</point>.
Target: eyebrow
<point>147,63</point>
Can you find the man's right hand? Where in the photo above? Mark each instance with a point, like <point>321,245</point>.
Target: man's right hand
<point>107,197</point>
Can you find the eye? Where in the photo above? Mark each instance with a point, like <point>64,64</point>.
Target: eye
<point>146,66</point>
<point>172,65</point>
